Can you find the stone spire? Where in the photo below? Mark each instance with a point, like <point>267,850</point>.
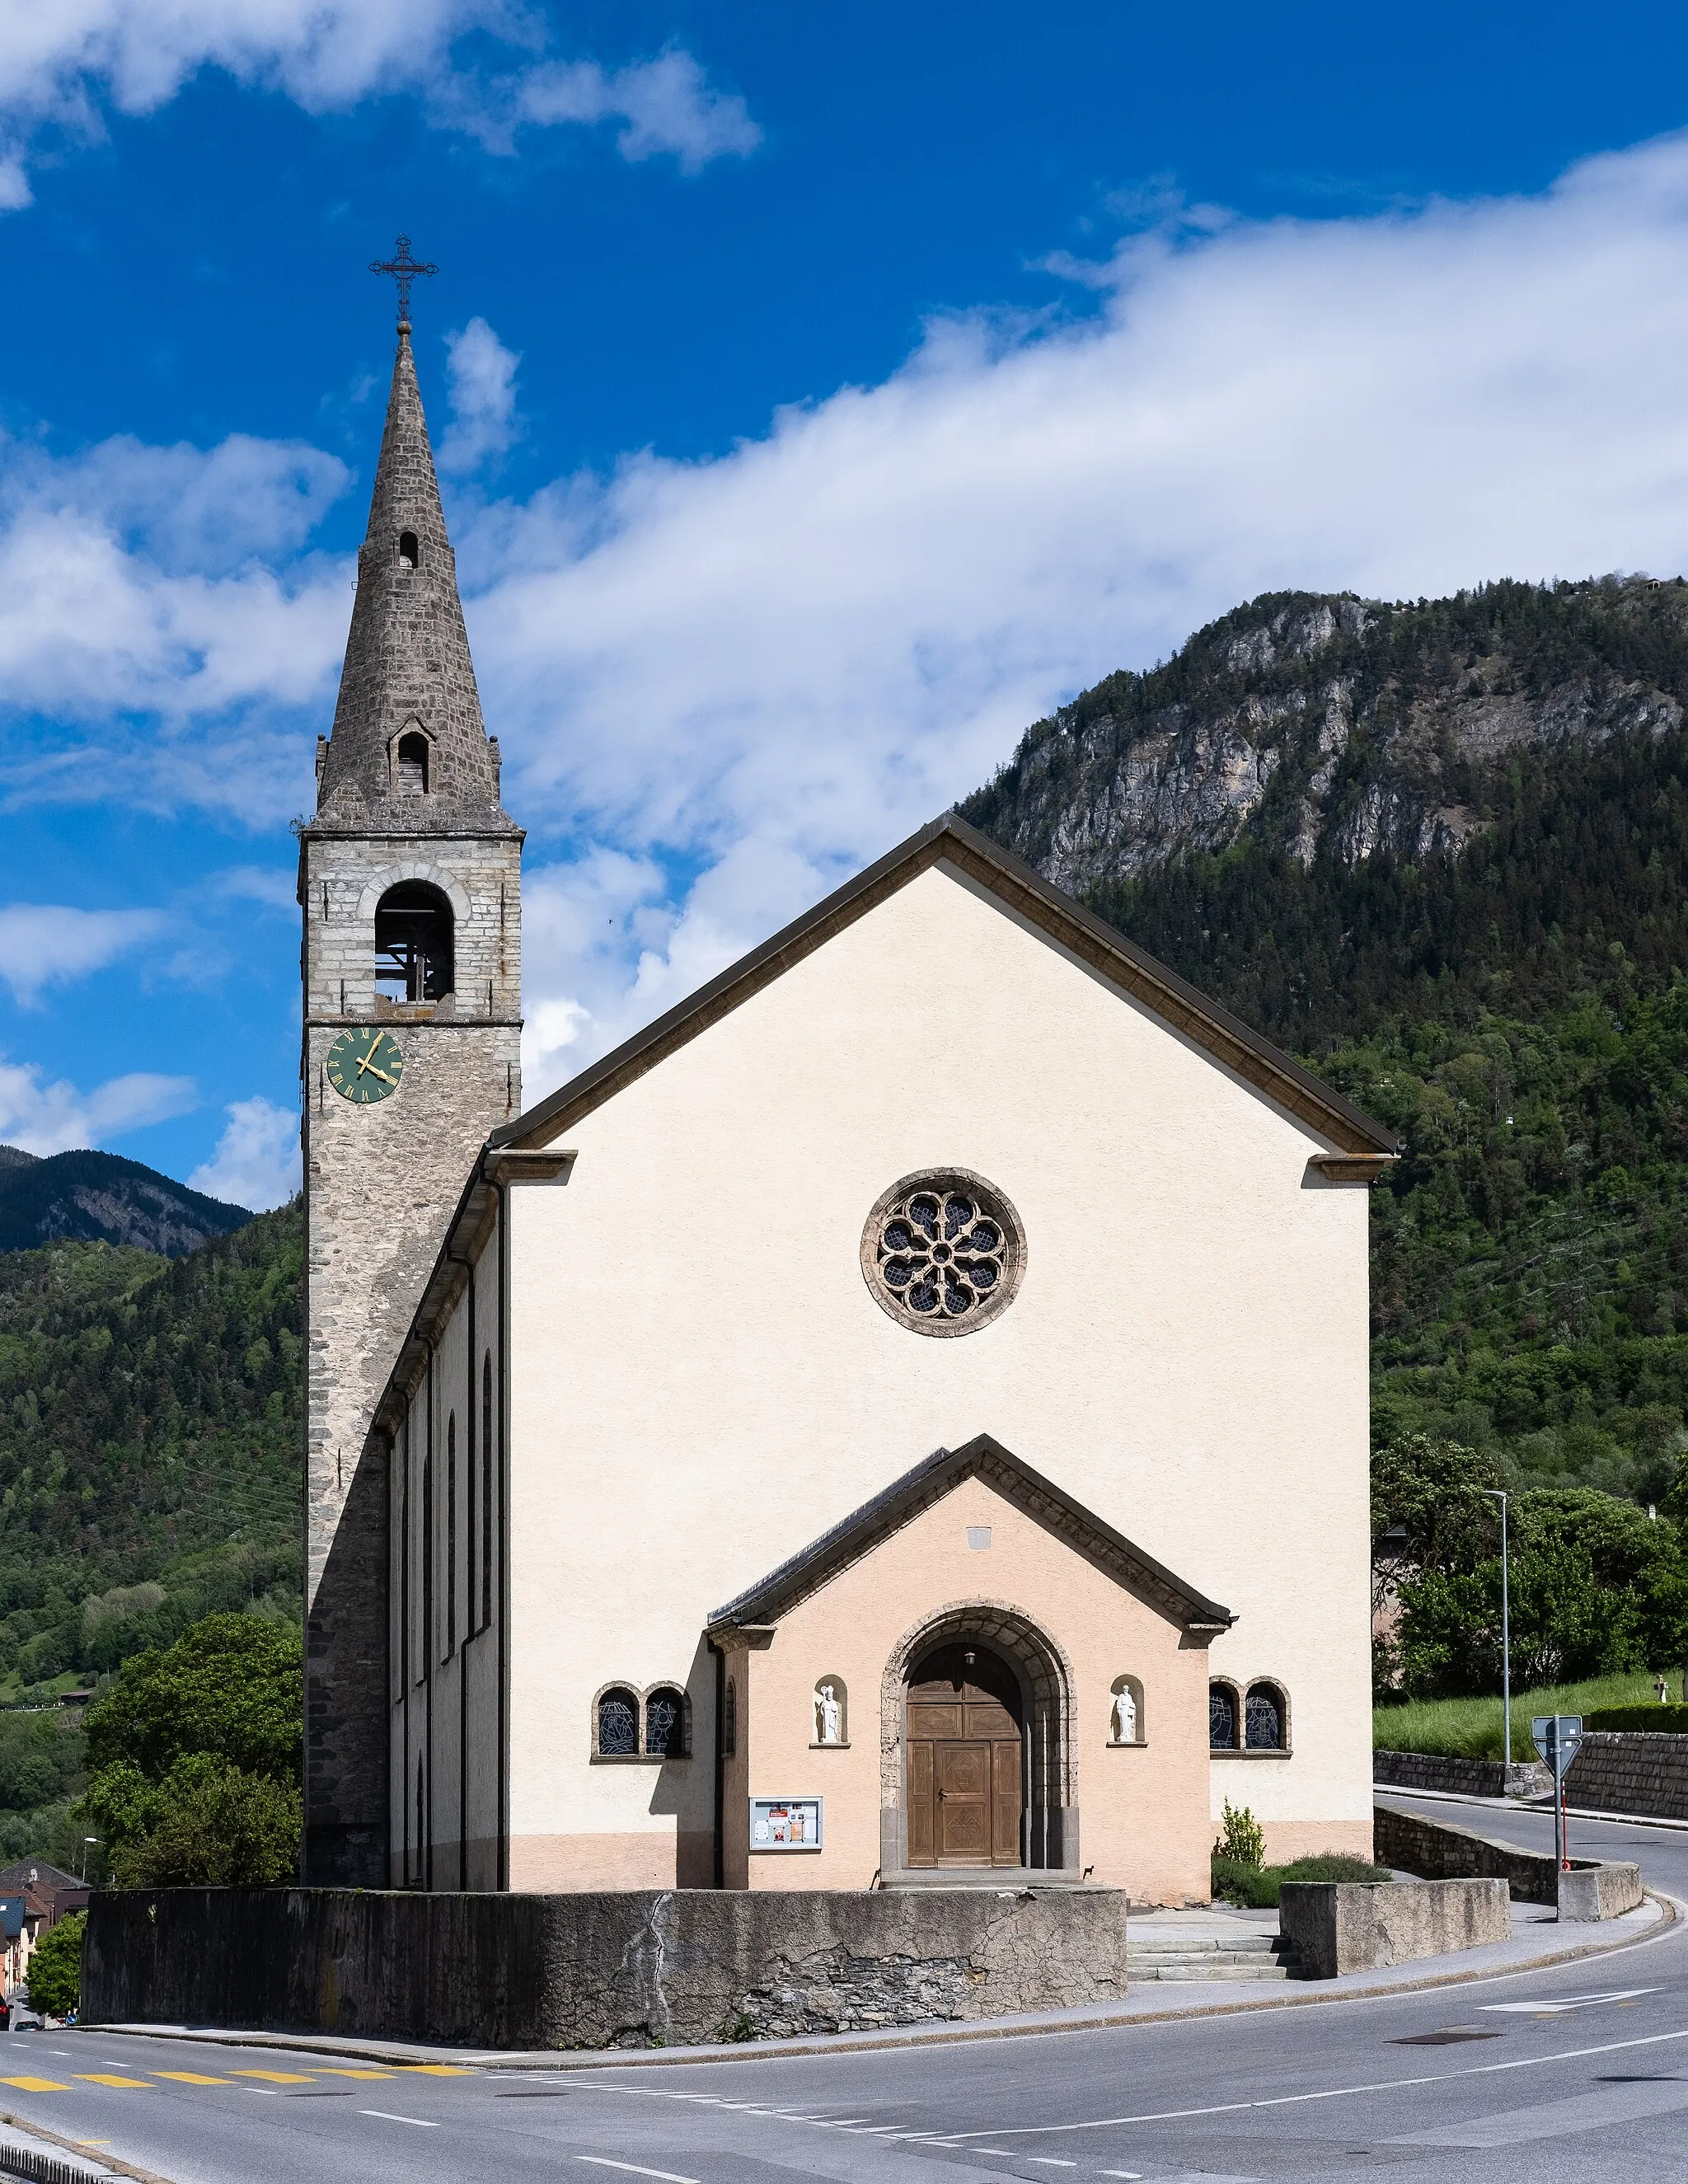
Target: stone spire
<point>407,669</point>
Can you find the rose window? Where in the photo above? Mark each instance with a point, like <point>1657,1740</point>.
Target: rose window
<point>942,1252</point>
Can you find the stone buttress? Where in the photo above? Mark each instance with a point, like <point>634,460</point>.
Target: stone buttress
<point>407,795</point>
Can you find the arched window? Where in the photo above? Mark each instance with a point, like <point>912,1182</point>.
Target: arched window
<point>413,943</point>
<point>1264,1717</point>
<point>1222,1718</point>
<point>665,1722</point>
<point>617,1724</point>
<point>409,553</point>
<point>487,1490</point>
<point>410,767</point>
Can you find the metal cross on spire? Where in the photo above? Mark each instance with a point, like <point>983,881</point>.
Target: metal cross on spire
<point>404,269</point>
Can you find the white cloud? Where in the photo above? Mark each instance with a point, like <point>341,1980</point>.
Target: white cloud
<point>481,374</point>
<point>760,670</point>
<point>256,1163</point>
<point>52,1117</point>
<point>44,944</point>
<point>63,62</point>
<point>665,105</point>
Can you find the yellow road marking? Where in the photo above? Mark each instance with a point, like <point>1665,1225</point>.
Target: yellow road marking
<point>330,2071</point>
<point>434,2070</point>
<point>276,2077</point>
<point>36,2085</point>
<point>106,2078</point>
<point>191,2078</point>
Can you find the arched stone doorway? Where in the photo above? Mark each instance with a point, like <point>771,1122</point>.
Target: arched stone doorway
<point>961,1692</point>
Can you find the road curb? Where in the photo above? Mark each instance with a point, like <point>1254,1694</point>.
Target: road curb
<point>399,2054</point>
<point>1544,1807</point>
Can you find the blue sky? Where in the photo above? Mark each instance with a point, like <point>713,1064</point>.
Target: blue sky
<point>820,398</point>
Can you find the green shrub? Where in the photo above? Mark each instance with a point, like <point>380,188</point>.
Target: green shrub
<point>1242,1843</point>
<point>1672,1720</point>
<point>55,1974</point>
<point>1256,1888</point>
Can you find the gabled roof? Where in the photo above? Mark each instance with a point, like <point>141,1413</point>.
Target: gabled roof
<point>951,840</point>
<point>929,1482</point>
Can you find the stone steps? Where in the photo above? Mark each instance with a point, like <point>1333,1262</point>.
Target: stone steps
<point>1240,1957</point>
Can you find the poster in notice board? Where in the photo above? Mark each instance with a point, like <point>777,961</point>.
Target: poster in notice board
<point>785,1822</point>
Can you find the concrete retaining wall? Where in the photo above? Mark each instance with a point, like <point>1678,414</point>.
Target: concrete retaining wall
<point>1412,1844</point>
<point>1464,1778</point>
<point>673,1966</point>
<point>1341,1926</point>
<point>1631,1771</point>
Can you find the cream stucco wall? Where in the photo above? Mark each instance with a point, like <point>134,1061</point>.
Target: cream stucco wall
<point>700,1382</point>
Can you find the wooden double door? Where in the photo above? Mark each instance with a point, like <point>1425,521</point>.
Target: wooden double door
<point>965,1775</point>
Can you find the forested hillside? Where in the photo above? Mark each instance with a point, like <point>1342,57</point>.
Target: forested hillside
<point>1441,851</point>
<point>150,1441</point>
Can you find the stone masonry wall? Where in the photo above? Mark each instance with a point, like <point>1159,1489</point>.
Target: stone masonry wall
<point>1630,1771</point>
<point>381,1183</point>
<point>1468,1778</point>
<point>631,1969</point>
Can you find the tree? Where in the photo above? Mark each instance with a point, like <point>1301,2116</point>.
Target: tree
<point>233,1685</point>
<point>55,1976</point>
<point>196,1755</point>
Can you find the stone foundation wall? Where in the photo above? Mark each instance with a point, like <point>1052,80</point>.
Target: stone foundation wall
<point>1630,1771</point>
<point>672,1966</point>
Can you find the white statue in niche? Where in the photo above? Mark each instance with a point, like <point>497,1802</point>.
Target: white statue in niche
<point>1124,1716</point>
<point>829,1716</point>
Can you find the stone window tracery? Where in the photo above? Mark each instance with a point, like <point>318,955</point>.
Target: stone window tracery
<point>942,1251</point>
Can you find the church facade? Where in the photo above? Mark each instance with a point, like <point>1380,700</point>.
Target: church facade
<point>903,1415</point>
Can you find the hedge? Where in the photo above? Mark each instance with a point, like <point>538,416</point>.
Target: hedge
<point>1671,1720</point>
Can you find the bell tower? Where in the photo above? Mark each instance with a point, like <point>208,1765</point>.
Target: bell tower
<point>410,886</point>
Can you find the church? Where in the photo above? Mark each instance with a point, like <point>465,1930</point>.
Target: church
<point>901,1418</point>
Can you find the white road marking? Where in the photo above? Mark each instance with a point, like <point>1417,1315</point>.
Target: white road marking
<point>1561,2003</point>
<point>632,2169</point>
<point>1595,2111</point>
<point>1049,2161</point>
<point>1331,2094</point>
<point>1135,2175</point>
<point>388,2116</point>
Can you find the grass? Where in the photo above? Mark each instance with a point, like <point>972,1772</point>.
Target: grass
<point>1470,1729</point>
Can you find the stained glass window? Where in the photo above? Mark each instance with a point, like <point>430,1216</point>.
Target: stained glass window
<point>618,1726</point>
<point>1222,1718</point>
<point>942,1251</point>
<point>1263,1718</point>
<point>665,1726</point>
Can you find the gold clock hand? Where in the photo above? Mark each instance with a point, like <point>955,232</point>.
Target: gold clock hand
<point>367,1061</point>
<point>373,1071</point>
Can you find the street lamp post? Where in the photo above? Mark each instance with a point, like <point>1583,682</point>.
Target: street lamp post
<point>1495,1493</point>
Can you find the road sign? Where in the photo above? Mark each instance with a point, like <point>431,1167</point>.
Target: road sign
<point>1558,1738</point>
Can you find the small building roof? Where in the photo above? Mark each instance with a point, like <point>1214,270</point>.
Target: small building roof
<point>939,1474</point>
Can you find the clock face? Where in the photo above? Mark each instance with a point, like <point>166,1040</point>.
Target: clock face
<point>365,1065</point>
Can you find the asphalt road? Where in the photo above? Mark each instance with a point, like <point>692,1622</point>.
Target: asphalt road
<point>1580,2072</point>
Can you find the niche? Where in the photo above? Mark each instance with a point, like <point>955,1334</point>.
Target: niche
<point>1126,1722</point>
<point>829,1718</point>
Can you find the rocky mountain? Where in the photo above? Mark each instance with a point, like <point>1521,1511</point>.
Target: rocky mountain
<point>103,1197</point>
<point>1324,809</point>
<point>1441,848</point>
